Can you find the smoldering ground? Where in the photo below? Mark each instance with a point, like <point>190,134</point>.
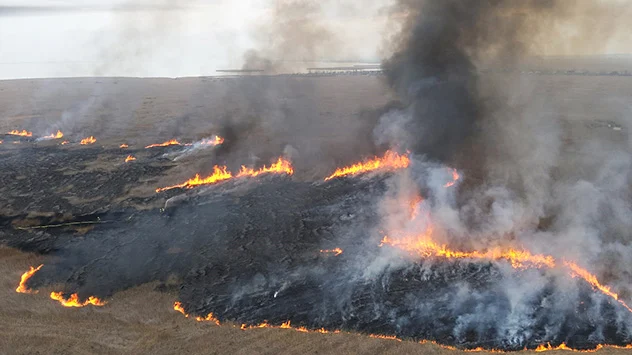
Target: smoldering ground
<point>250,252</point>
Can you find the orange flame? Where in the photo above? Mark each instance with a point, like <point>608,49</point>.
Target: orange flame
<point>123,146</point>
<point>129,158</point>
<point>390,161</point>
<point>22,288</point>
<point>577,271</point>
<point>178,307</point>
<point>425,247</point>
<point>23,133</point>
<point>89,140</point>
<point>455,178</point>
<point>219,174</point>
<point>165,144</point>
<point>336,251</point>
<point>222,173</point>
<point>217,140</point>
<point>57,135</point>
<point>64,142</point>
<point>281,166</point>
<point>74,301</point>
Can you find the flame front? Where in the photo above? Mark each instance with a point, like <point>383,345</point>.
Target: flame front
<point>217,140</point>
<point>220,174</point>
<point>425,247</point>
<point>23,133</point>
<point>390,161</point>
<point>129,158</point>
<point>57,135</point>
<point>89,140</point>
<point>281,166</point>
<point>74,301</point>
<point>123,146</point>
<point>164,144</point>
<point>22,288</point>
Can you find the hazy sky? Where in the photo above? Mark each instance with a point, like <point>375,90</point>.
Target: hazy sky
<point>60,38</point>
<point>40,38</point>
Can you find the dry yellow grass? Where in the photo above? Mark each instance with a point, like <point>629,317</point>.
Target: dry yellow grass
<point>142,321</point>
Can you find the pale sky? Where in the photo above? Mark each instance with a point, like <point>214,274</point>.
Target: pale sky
<point>195,39</point>
<point>69,38</point>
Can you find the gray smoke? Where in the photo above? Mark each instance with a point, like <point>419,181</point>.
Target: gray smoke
<point>525,184</point>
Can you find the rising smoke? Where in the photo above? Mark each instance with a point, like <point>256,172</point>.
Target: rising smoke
<point>525,185</point>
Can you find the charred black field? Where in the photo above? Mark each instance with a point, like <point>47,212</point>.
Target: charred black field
<point>262,250</point>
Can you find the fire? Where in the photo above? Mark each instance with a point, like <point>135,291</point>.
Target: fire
<point>390,161</point>
<point>123,146</point>
<point>221,173</point>
<point>129,158</point>
<point>22,288</point>
<point>281,166</point>
<point>74,301</point>
<point>89,140</point>
<point>217,140</point>
<point>23,133</point>
<point>336,251</point>
<point>455,178</point>
<point>165,144</point>
<point>177,306</point>
<point>425,247</point>
<point>57,135</point>
<point>577,271</point>
<point>64,142</point>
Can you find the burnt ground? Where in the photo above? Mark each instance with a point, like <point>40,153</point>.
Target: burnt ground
<point>249,250</point>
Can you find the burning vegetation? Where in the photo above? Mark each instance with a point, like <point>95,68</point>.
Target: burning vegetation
<point>23,133</point>
<point>389,162</point>
<point>220,174</point>
<point>88,141</point>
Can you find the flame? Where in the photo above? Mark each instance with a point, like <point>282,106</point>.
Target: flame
<point>178,307</point>
<point>217,140</point>
<point>577,271</point>
<point>281,166</point>
<point>0,141</point>
<point>22,288</point>
<point>74,301</point>
<point>89,140</point>
<point>57,135</point>
<point>336,251</point>
<point>23,133</point>
<point>455,178</point>
<point>425,247</point>
<point>123,146</point>
<point>219,174</point>
<point>129,158</point>
<point>64,142</point>
<point>164,144</point>
<point>390,161</point>
<point>288,325</point>
<point>222,173</point>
